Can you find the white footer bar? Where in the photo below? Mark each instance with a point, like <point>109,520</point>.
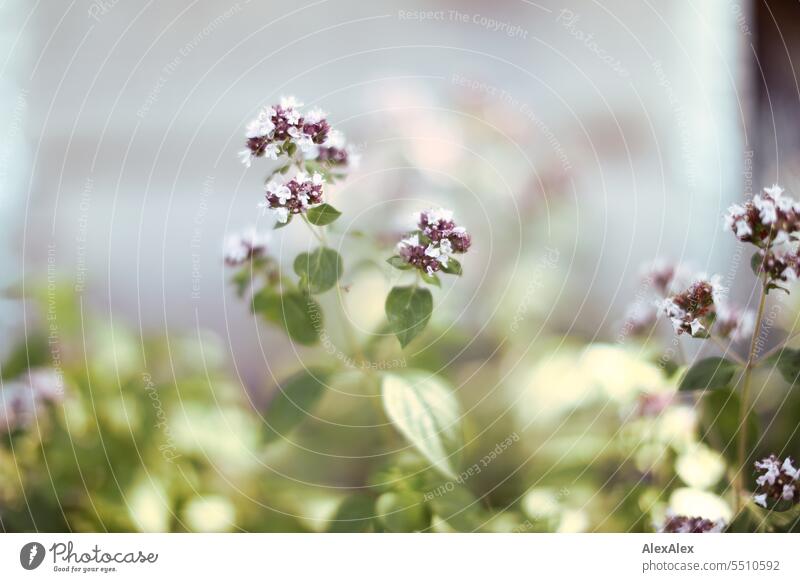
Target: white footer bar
<point>401,557</point>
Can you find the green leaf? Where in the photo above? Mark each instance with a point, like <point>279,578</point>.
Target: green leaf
<point>299,314</point>
<point>283,224</point>
<point>318,270</point>
<point>293,402</point>
<point>787,361</point>
<point>398,263</point>
<point>721,423</point>
<point>453,267</point>
<point>356,514</point>
<point>456,506</point>
<point>422,407</point>
<point>431,279</point>
<point>755,263</point>
<point>322,214</point>
<point>403,511</point>
<point>709,374</point>
<point>408,310</point>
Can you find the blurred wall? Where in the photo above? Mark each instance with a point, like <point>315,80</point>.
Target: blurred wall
<point>134,113</point>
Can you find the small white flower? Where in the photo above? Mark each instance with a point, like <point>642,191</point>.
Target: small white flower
<point>246,157</point>
<point>789,469</point>
<point>271,151</point>
<point>436,214</point>
<point>773,471</point>
<point>775,191</point>
<point>315,115</point>
<point>293,116</point>
<point>761,500</point>
<point>260,126</point>
<point>305,143</point>
<point>446,246</point>
<point>290,102</point>
<point>335,139</point>
<point>696,326</point>
<point>788,492</point>
<point>432,251</point>
<point>766,209</point>
<point>281,214</point>
<point>280,191</point>
<point>317,179</point>
<point>411,241</point>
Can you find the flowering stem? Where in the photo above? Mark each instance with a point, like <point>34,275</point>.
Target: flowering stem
<point>745,399</point>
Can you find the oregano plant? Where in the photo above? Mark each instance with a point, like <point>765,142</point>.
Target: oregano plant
<point>304,156</point>
<point>696,307</point>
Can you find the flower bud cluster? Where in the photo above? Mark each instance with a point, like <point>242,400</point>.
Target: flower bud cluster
<point>684,524</point>
<point>294,196</point>
<point>778,481</point>
<point>692,310</point>
<point>429,249</point>
<point>769,218</point>
<point>20,398</point>
<point>244,246</point>
<point>284,128</point>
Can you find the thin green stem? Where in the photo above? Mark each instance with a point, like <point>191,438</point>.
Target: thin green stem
<point>745,399</point>
<point>320,237</point>
<point>726,350</point>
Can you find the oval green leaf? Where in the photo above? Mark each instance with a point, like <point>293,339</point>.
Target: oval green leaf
<point>293,401</point>
<point>319,270</point>
<point>322,214</point>
<point>299,314</point>
<point>787,361</point>
<point>408,310</point>
<point>422,407</point>
<point>398,263</point>
<point>709,374</point>
<point>453,267</point>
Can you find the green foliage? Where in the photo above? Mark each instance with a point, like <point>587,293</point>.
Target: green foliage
<point>457,507</point>
<point>425,411</point>
<point>355,514</point>
<point>408,310</point>
<point>720,420</point>
<point>453,267</point>
<point>431,279</point>
<point>403,511</point>
<point>319,270</point>
<point>709,374</point>
<point>322,214</point>
<point>398,263</point>
<point>293,402</point>
<point>787,361</point>
<point>299,314</point>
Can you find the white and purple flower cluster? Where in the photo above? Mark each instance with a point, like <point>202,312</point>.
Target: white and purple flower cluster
<point>244,246</point>
<point>294,196</point>
<point>684,524</point>
<point>771,222</point>
<point>778,482</point>
<point>430,248</point>
<point>693,303</point>
<point>769,218</point>
<point>285,129</point>
<point>691,310</point>
<point>20,398</point>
